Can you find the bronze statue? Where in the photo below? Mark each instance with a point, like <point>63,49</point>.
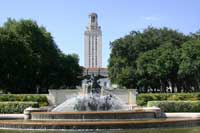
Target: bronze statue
<point>94,83</point>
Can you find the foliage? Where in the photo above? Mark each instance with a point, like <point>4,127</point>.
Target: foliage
<point>190,65</point>
<point>31,62</point>
<point>176,106</point>
<point>40,99</point>
<point>143,99</point>
<point>155,60</point>
<point>15,107</point>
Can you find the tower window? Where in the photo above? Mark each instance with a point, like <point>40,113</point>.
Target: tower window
<point>93,19</point>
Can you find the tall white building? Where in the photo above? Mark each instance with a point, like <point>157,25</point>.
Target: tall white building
<point>93,43</point>
<point>93,52</point>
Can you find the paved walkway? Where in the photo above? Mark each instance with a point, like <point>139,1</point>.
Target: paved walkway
<point>182,115</point>
<point>11,116</point>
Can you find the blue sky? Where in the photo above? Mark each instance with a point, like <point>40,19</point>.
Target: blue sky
<point>67,19</point>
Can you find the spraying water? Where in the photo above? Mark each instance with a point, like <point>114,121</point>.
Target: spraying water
<point>91,102</point>
<point>92,98</point>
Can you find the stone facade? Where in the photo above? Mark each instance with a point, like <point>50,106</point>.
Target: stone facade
<point>93,43</point>
<point>56,97</point>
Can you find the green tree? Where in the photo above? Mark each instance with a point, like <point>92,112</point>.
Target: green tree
<point>15,61</point>
<point>46,65</point>
<point>189,68</point>
<point>136,58</point>
<point>159,68</point>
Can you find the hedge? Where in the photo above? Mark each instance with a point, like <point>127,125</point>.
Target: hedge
<point>176,106</point>
<point>16,107</point>
<point>142,99</point>
<point>40,99</point>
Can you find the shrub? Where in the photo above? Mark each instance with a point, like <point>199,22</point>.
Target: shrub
<point>176,106</point>
<point>142,99</point>
<point>40,99</point>
<point>16,107</point>
<point>184,96</point>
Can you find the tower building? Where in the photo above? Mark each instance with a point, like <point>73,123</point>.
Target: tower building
<point>93,52</point>
<point>93,43</point>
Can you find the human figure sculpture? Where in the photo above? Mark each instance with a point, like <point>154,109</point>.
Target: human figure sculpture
<point>94,83</point>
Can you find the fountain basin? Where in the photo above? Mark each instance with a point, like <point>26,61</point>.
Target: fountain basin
<point>93,115</point>
<point>120,124</point>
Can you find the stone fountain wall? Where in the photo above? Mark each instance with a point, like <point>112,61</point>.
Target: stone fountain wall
<point>57,97</point>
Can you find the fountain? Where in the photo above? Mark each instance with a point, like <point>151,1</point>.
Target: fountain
<point>91,99</point>
<point>94,104</point>
<point>96,108</point>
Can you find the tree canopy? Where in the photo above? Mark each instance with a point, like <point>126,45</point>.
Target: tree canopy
<point>30,61</point>
<point>155,59</point>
